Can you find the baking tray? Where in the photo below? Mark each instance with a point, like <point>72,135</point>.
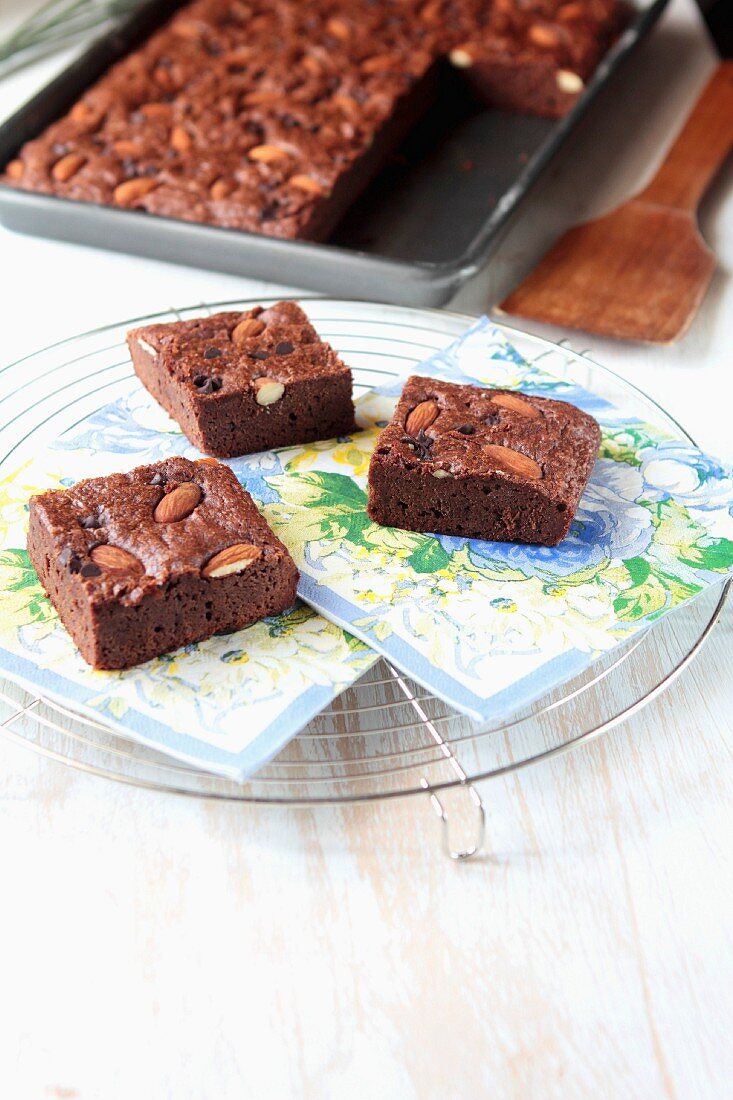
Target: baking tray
<point>427,223</point>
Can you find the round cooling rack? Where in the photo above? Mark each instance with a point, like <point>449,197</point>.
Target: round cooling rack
<point>386,736</point>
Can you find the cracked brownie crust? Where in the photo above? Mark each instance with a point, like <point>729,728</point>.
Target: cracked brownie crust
<point>487,464</point>
<point>244,382</point>
<point>142,563</point>
<point>272,115</point>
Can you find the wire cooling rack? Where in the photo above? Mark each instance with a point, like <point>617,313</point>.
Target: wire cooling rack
<point>385,737</point>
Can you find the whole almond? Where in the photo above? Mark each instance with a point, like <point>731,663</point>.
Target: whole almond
<point>345,103</point>
<point>513,461</point>
<point>267,391</point>
<point>310,65</point>
<point>15,169</point>
<point>569,12</point>
<point>235,559</point>
<point>307,183</point>
<point>126,149</point>
<point>113,559</point>
<point>246,329</point>
<point>186,28</point>
<point>156,110</point>
<point>84,114</point>
<point>261,99</point>
<point>543,36</point>
<point>209,461</point>
<point>460,58</point>
<point>67,167</point>
<point>380,63</point>
<point>221,189</point>
<point>421,417</point>
<point>267,154</point>
<point>516,405</point>
<point>339,28</point>
<point>569,82</point>
<point>432,11</point>
<point>178,504</point>
<point>238,56</point>
<point>125,194</point>
<point>180,139</point>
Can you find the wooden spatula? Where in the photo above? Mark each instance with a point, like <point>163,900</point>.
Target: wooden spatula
<point>640,272</point>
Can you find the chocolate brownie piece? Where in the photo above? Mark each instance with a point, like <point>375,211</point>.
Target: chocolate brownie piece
<point>141,563</point>
<point>244,382</point>
<point>272,116</point>
<point>484,463</point>
<point>535,57</point>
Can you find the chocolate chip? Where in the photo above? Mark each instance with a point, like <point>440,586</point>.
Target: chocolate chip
<point>90,570</point>
<point>421,444</point>
<point>213,49</point>
<point>261,353</point>
<point>207,385</point>
<point>158,479</point>
<point>269,211</point>
<point>466,429</point>
<point>212,353</point>
<point>283,348</point>
<point>74,563</point>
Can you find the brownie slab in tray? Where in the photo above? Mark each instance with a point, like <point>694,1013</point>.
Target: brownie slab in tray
<point>141,563</point>
<point>273,116</point>
<point>244,382</point>
<point>483,463</point>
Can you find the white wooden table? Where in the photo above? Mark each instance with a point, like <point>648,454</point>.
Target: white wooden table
<point>154,947</point>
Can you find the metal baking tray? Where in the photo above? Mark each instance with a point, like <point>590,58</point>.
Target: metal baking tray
<point>427,223</point>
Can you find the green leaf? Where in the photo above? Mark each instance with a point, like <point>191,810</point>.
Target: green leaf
<point>317,489</point>
<point>715,554</point>
<point>429,557</point>
<point>338,504</point>
<point>639,569</point>
<point>640,601</point>
<point>24,600</point>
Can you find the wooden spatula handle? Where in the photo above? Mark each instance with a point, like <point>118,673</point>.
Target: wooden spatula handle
<point>702,146</point>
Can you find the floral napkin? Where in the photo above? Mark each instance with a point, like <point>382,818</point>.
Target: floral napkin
<point>490,626</point>
<point>228,704</point>
<point>487,626</point>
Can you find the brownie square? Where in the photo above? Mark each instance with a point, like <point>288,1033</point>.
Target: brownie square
<point>141,563</point>
<point>244,382</point>
<point>483,463</point>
